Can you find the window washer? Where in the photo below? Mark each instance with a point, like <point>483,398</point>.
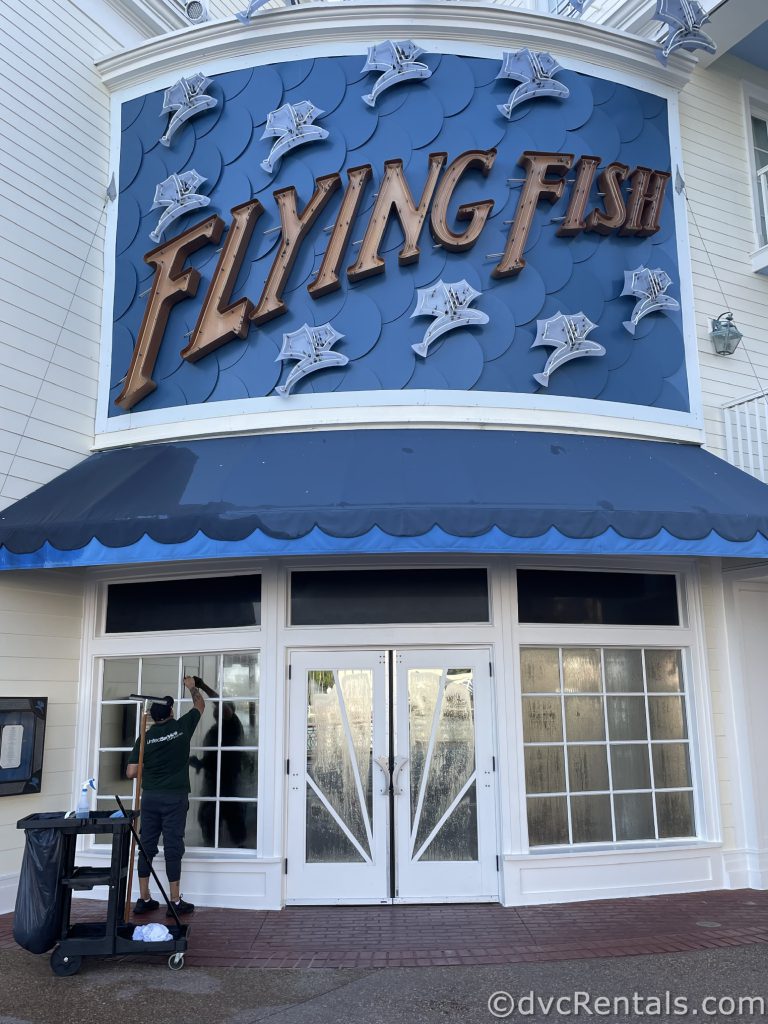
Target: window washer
<point>165,793</point>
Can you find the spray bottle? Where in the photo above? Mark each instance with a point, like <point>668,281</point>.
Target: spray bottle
<point>84,803</point>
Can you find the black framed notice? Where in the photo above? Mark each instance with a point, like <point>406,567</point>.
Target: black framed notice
<point>22,741</point>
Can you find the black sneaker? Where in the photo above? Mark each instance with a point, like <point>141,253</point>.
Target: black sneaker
<point>145,906</point>
<point>182,907</point>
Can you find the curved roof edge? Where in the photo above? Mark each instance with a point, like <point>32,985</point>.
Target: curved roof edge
<point>350,27</point>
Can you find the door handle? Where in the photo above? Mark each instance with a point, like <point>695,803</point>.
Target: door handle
<point>400,763</point>
<point>383,763</point>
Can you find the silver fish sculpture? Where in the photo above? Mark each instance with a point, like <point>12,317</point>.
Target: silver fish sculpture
<point>649,287</point>
<point>179,195</point>
<point>566,334</point>
<point>292,125</point>
<point>311,348</point>
<point>684,19</point>
<point>449,304</point>
<point>397,59</point>
<point>535,71</point>
<point>184,100</point>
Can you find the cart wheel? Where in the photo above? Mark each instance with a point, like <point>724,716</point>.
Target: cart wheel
<point>176,962</point>
<point>63,964</point>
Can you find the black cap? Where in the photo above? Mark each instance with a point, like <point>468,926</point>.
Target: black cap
<point>160,712</point>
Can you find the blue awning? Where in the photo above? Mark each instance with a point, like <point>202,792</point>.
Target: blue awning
<point>388,491</point>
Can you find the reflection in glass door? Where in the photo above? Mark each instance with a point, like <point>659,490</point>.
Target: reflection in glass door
<point>391,788</point>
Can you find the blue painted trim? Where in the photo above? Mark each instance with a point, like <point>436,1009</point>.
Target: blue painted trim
<point>376,542</point>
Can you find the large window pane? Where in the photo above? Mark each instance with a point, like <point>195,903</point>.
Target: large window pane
<point>671,765</point>
<point>610,598</point>
<point>587,768</point>
<point>542,720</point>
<point>667,718</point>
<point>237,824</point>
<point>160,677</point>
<point>121,678</point>
<point>371,596</point>
<point>111,774</point>
<point>544,770</point>
<point>623,671</point>
<point>239,675</point>
<point>581,671</point>
<point>201,824</point>
<point>664,672</point>
<point>674,812</point>
<point>584,719</point>
<point>119,724</point>
<point>591,819</point>
<point>214,602</point>
<point>634,816</point>
<point>626,718</point>
<point>629,766</point>
<point>540,669</point>
<point>547,820</point>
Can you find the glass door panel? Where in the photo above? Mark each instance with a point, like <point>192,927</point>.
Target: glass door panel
<point>337,813</point>
<point>445,838</point>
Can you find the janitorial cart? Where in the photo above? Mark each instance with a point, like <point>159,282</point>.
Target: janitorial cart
<point>50,876</point>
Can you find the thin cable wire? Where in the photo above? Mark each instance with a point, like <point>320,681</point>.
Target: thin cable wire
<point>49,362</point>
<point>760,386</point>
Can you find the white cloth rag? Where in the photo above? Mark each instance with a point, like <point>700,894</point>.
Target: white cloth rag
<point>151,933</point>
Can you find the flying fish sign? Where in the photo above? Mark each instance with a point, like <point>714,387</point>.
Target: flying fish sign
<point>341,209</point>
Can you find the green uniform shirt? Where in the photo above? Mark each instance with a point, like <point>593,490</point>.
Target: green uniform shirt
<point>166,754</point>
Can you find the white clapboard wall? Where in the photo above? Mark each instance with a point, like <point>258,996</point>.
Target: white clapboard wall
<point>716,143</point>
<point>41,621</point>
<point>53,179</point>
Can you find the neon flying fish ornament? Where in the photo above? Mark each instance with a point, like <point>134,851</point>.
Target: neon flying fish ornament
<point>292,125</point>
<point>566,334</point>
<point>535,71</point>
<point>449,304</point>
<point>398,62</point>
<point>649,287</point>
<point>185,98</point>
<point>684,18</point>
<point>179,195</point>
<point>311,347</point>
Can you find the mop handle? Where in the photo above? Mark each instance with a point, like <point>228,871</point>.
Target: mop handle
<point>136,807</point>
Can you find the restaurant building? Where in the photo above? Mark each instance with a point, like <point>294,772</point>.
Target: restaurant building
<point>358,358</point>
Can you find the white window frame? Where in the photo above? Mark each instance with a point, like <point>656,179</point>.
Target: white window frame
<point>756,105</point>
<point>689,638</point>
<point>99,646</point>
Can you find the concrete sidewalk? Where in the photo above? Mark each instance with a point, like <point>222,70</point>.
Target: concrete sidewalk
<point>131,992</point>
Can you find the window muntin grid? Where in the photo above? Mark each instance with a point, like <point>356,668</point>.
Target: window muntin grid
<point>225,746</point>
<point>606,745</point>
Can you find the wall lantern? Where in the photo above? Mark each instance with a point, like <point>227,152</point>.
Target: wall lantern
<point>725,334</point>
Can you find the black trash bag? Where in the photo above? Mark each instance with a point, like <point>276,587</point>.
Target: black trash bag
<point>37,921</point>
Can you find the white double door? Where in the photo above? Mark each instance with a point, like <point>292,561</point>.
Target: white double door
<point>391,777</point>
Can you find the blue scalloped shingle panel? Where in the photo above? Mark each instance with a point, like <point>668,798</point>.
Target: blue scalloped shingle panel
<point>453,111</point>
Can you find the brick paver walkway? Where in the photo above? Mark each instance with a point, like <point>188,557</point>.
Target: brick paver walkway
<point>438,935</point>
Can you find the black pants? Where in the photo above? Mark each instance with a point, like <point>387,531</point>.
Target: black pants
<point>164,813</point>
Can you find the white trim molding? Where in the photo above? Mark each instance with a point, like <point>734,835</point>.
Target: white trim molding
<point>611,874</point>
<point>347,28</point>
